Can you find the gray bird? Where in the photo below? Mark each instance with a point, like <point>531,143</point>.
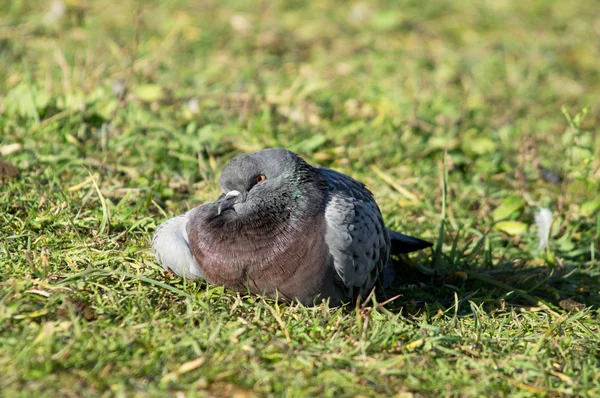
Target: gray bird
<point>284,229</point>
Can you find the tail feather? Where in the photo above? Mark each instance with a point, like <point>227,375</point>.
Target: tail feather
<point>401,244</point>
<point>171,248</point>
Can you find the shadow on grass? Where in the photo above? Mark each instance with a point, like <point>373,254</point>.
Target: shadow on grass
<point>572,287</point>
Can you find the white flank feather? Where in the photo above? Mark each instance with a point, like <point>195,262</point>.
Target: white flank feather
<point>543,221</point>
<point>172,250</point>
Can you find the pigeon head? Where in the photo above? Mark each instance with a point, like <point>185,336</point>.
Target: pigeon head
<point>266,182</point>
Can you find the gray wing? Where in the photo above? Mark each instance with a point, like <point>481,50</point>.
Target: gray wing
<point>172,250</point>
<point>356,234</point>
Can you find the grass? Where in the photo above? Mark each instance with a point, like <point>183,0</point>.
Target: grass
<point>118,116</point>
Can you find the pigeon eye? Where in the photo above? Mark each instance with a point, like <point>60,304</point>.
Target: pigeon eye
<point>260,178</point>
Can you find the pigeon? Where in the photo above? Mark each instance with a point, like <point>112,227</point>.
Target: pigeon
<point>287,230</point>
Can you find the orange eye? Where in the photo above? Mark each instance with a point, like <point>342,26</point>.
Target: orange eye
<point>260,178</point>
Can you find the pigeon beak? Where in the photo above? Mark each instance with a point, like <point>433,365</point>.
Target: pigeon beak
<point>227,201</point>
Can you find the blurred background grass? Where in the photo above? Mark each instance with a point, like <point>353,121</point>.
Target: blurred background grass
<point>162,95</point>
<point>149,100</point>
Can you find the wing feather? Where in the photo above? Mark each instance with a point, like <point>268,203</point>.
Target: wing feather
<point>356,234</point>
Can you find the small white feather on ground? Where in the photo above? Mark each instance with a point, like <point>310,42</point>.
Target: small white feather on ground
<point>543,221</point>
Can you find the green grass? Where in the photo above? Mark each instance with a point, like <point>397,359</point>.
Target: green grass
<point>118,119</point>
